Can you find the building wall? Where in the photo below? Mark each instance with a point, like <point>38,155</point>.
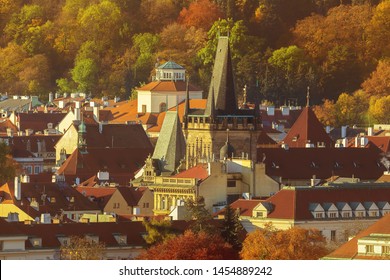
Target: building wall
<point>243,141</point>
<point>66,122</point>
<point>68,142</point>
<point>146,203</point>
<point>118,205</point>
<point>152,100</point>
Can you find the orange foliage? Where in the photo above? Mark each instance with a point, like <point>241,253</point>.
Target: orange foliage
<point>292,244</point>
<point>379,82</point>
<point>191,246</point>
<point>200,14</point>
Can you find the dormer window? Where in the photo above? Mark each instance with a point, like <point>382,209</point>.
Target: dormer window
<point>92,238</point>
<point>36,242</point>
<point>120,238</point>
<point>52,199</point>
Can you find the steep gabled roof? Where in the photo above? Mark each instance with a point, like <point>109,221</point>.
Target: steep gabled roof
<point>171,146</point>
<point>307,128</point>
<point>131,195</point>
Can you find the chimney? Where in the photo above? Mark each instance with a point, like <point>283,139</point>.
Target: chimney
<point>10,132</point>
<point>357,141</point>
<point>344,131</point>
<point>29,132</point>
<point>17,188</point>
<point>57,95</point>
<point>370,131</point>
<point>25,179</point>
<point>96,113</point>
<point>45,218</point>
<point>50,97</point>
<point>77,113</point>
<point>363,141</point>
<point>327,128</point>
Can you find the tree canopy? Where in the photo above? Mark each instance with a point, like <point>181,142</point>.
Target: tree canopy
<point>279,47</point>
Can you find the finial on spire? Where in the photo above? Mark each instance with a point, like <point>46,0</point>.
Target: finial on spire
<point>308,97</point>
<point>245,87</point>
<point>227,135</point>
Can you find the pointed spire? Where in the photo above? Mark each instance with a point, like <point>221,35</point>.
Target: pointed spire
<point>187,103</point>
<point>212,108</point>
<point>308,97</point>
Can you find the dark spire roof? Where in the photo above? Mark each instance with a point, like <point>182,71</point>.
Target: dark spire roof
<point>222,82</point>
<point>170,147</point>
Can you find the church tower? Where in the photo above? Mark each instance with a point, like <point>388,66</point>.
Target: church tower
<point>206,130</point>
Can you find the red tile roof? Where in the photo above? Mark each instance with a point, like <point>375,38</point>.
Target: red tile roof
<point>168,86</point>
<point>303,163</point>
<point>199,172</point>
<point>39,121</point>
<point>246,206</point>
<point>349,250</point>
<point>20,142</point>
<point>6,123</point>
<point>382,142</point>
<point>37,190</point>
<point>307,128</point>
<point>131,195</point>
<point>121,163</point>
<point>293,203</point>
<point>99,195</point>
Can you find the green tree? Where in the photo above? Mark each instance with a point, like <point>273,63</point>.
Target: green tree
<point>232,228</point>
<point>199,215</point>
<point>84,74</point>
<point>158,231</point>
<point>80,248</point>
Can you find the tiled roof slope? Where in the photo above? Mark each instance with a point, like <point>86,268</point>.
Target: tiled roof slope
<point>171,86</point>
<point>349,250</point>
<point>42,193</point>
<point>121,163</point>
<point>307,128</point>
<point>118,136</point>
<point>131,195</point>
<point>199,172</point>
<point>303,163</point>
<point>39,121</point>
<point>293,203</point>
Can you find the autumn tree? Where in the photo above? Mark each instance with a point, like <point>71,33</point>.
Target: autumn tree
<point>191,246</point>
<point>378,31</point>
<point>200,14</point>
<point>158,231</point>
<point>326,113</point>
<point>351,109</point>
<point>80,248</point>
<point>379,110</point>
<point>8,167</point>
<point>378,84</point>
<point>292,244</point>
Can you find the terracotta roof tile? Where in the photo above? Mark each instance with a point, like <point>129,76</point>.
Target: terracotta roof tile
<point>293,203</point>
<point>349,250</point>
<point>199,172</point>
<point>303,163</point>
<point>307,128</point>
<point>382,142</point>
<point>39,121</point>
<point>246,206</point>
<point>167,86</point>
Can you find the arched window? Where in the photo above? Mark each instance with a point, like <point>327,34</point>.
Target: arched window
<point>163,107</point>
